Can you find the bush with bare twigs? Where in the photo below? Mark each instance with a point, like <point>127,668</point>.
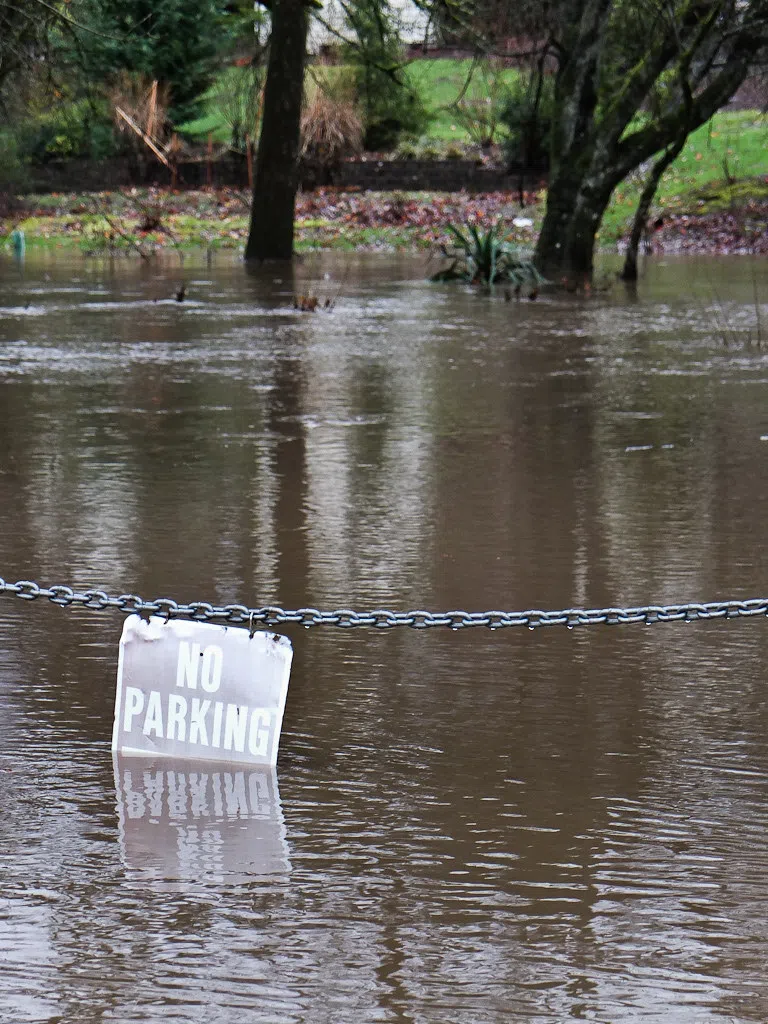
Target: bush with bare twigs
<point>141,104</point>
<point>331,129</point>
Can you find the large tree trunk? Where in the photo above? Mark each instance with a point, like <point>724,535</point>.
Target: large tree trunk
<point>687,66</point>
<point>565,248</point>
<point>276,181</point>
<point>585,174</point>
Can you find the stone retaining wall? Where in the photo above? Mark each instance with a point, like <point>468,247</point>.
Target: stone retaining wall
<point>366,175</point>
<point>431,175</point>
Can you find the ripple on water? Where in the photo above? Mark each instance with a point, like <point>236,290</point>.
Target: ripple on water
<point>466,826</point>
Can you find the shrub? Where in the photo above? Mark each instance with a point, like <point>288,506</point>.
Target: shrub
<point>391,112</point>
<point>391,106</point>
<point>453,151</point>
<point>481,109</point>
<point>528,115</point>
<point>68,130</point>
<point>232,108</point>
<point>406,150</point>
<point>487,258</point>
<point>331,129</point>
<point>11,166</point>
<point>428,150</point>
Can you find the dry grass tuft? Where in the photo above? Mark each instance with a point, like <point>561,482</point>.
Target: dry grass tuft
<point>331,129</point>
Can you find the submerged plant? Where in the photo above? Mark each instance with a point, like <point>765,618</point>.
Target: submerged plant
<point>487,258</point>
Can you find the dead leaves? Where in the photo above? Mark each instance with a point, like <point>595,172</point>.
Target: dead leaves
<point>741,230</point>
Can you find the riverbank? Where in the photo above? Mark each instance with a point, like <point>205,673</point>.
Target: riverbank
<point>720,219</point>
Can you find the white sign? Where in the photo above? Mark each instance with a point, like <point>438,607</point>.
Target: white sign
<point>199,821</point>
<point>200,690</point>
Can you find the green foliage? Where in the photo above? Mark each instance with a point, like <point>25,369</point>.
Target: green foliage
<point>391,106</point>
<point>487,258</point>
<point>733,144</point>
<point>231,108</point>
<point>391,112</point>
<point>430,148</point>
<point>528,116</point>
<point>426,149</point>
<point>68,130</point>
<point>11,163</point>
<point>407,150</point>
<point>24,35</point>
<point>176,42</point>
<point>453,151</point>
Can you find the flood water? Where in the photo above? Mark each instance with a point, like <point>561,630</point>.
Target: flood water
<point>464,827</point>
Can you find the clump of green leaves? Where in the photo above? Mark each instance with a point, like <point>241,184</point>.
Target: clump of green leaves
<point>527,115</point>
<point>487,258</point>
<point>66,129</point>
<point>391,106</point>
<point>11,164</point>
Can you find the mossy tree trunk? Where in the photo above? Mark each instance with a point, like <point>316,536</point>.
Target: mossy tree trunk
<point>674,67</point>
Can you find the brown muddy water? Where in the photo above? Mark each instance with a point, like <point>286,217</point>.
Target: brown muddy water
<point>463,827</point>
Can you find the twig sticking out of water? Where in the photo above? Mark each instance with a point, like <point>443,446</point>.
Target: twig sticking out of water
<point>309,303</point>
<point>756,298</point>
<point>331,302</point>
<point>728,335</point>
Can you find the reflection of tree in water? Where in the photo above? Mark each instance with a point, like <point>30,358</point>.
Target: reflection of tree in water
<point>285,428</point>
<point>373,397</point>
<point>18,469</point>
<point>469,840</point>
<point>468,809</point>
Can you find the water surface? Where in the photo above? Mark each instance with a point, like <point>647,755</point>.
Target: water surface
<point>464,826</point>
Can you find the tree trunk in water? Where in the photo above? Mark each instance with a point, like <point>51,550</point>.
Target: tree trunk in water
<point>693,64</point>
<point>276,181</point>
<point>565,247</point>
<point>629,273</point>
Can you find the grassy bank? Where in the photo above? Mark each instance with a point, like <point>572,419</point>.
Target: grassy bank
<point>142,221</point>
<point>723,167</point>
<point>713,198</point>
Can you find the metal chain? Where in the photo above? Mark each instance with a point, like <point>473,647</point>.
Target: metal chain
<point>272,615</point>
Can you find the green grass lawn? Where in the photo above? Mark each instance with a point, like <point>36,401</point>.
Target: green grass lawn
<point>440,83</point>
<point>724,163</point>
<point>481,86</point>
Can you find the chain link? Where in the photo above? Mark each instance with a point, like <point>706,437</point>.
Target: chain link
<point>346,618</point>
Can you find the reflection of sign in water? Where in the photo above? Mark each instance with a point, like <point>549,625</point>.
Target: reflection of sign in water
<point>195,689</point>
<point>181,820</point>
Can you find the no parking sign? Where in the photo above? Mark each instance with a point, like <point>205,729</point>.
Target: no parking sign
<point>200,690</point>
